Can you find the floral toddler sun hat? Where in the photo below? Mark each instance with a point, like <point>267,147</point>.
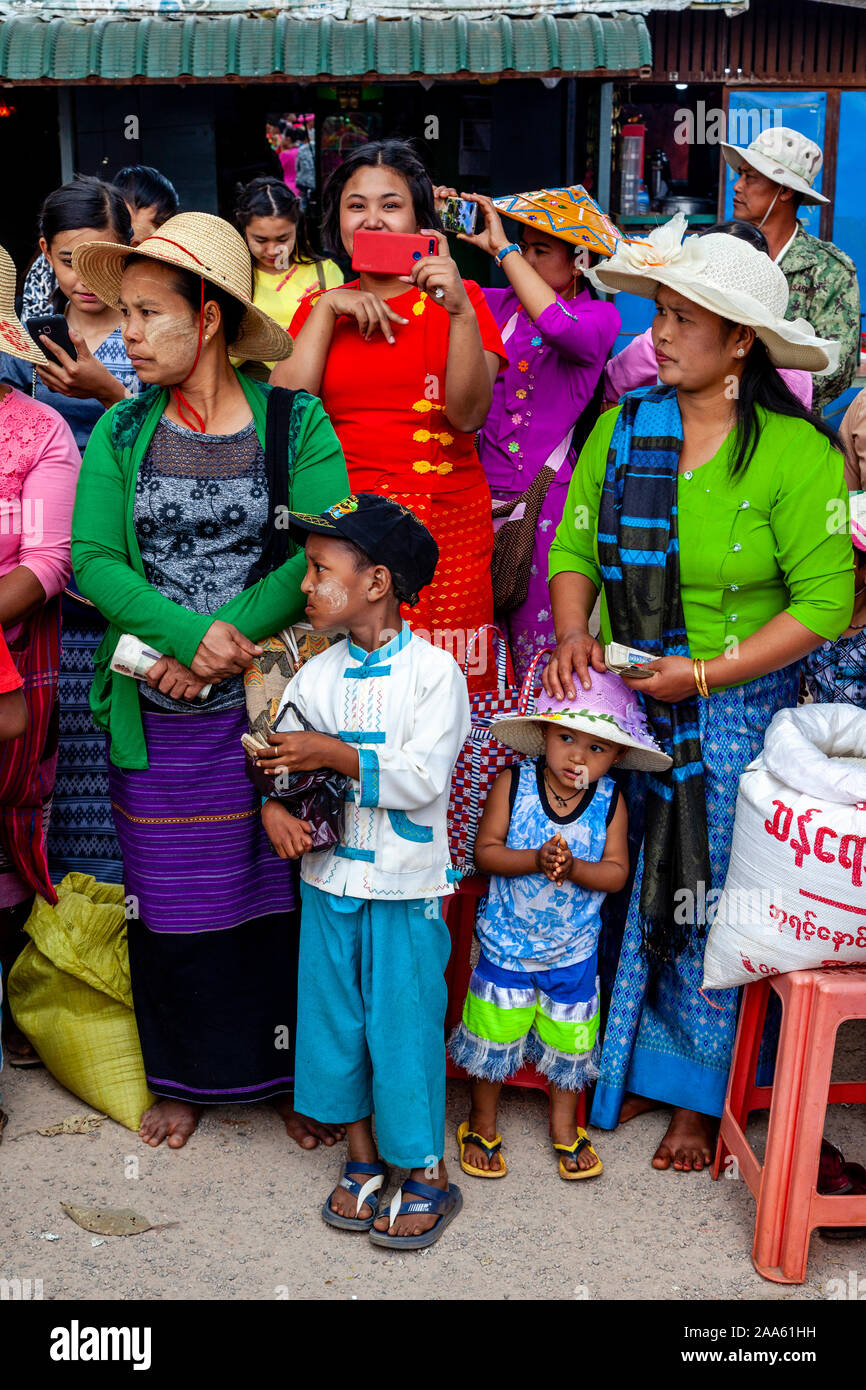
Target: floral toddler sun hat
<point>609,709</point>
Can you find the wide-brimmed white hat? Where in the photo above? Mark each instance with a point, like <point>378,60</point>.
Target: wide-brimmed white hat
<point>784,156</point>
<point>205,245</point>
<point>725,275</point>
<point>609,709</point>
<point>14,338</point>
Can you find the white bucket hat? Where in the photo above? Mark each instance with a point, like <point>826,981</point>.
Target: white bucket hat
<point>725,275</point>
<point>783,155</point>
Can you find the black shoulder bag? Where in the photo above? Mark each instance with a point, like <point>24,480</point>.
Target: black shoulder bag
<point>279,469</point>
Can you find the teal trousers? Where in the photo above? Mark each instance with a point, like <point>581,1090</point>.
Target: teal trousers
<point>371,1019</point>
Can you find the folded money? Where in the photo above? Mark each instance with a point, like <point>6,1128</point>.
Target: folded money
<point>134,658</point>
<point>623,659</point>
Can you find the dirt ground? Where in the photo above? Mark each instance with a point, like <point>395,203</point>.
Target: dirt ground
<point>246,1202</point>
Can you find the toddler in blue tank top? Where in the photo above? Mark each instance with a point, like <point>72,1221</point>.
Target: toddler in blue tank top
<point>553,840</point>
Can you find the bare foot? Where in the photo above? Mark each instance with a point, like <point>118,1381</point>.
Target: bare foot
<point>637,1105</point>
<point>689,1143</point>
<point>306,1132</point>
<point>17,1045</point>
<point>415,1223</point>
<point>483,1123</point>
<point>171,1119</point>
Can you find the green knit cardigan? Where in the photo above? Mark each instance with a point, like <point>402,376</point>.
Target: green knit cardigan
<point>108,565</point>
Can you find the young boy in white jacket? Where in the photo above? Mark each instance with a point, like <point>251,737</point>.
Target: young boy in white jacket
<point>393,712</point>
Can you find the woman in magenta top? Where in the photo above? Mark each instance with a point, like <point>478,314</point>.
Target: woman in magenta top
<point>39,464</point>
<point>557,336</point>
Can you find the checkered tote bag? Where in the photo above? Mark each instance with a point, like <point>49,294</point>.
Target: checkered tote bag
<point>483,757</point>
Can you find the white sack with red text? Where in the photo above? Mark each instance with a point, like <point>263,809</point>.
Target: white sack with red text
<point>795,894</point>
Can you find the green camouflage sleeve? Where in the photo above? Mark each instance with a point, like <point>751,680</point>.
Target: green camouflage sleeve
<point>834,312</point>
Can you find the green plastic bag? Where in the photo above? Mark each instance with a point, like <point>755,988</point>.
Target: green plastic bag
<point>70,994</point>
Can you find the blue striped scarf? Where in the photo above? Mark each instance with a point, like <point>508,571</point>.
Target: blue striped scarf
<point>638,552</point>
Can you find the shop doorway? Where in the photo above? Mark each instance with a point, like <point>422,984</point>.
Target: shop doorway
<point>30,159</point>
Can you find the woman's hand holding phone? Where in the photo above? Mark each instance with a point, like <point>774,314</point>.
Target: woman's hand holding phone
<point>492,238</point>
<point>84,377</point>
<point>439,277</point>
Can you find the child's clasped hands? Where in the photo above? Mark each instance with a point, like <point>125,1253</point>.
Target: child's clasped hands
<point>555,860</point>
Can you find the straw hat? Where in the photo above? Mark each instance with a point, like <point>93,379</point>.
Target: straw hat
<point>725,275</point>
<point>14,338</point>
<point>784,156</point>
<point>207,246</point>
<point>567,213</point>
<point>609,709</point>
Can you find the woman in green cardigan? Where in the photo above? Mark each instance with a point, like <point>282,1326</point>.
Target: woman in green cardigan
<point>711,512</point>
<point>175,540</point>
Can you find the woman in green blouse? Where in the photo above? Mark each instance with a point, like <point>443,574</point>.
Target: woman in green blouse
<point>176,538</point>
<point>711,512</point>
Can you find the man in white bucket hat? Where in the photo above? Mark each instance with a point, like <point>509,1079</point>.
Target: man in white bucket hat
<point>776,174</point>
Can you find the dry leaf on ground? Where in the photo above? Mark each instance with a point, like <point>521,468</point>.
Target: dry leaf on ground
<point>73,1124</point>
<point>112,1221</point>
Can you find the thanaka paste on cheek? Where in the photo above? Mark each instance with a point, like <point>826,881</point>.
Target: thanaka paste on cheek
<point>173,341</point>
<point>330,595</point>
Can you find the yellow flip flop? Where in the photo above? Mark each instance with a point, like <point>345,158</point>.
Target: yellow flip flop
<point>490,1146</point>
<point>580,1143</point>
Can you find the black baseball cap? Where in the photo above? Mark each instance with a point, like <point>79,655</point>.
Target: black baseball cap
<point>387,531</point>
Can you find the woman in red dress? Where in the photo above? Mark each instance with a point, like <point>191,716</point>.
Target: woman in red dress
<point>405,369</point>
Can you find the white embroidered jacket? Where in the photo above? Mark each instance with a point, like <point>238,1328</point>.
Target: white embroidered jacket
<point>406,708</point>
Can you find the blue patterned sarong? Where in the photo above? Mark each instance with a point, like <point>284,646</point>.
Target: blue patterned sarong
<point>672,1044</point>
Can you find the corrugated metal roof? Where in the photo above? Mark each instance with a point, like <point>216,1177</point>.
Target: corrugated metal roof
<point>61,50</point>
<point>350,9</point>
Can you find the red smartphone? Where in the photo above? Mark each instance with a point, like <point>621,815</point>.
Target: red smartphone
<point>391,253</point>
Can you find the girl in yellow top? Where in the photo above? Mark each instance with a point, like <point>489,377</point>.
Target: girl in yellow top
<point>285,267</point>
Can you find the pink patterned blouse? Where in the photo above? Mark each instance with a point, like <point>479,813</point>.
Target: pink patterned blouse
<point>39,463</point>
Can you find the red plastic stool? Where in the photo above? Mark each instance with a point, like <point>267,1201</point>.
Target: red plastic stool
<point>789,1207</point>
<point>459,911</point>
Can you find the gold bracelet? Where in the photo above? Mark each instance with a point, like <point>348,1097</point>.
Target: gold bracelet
<point>701,678</point>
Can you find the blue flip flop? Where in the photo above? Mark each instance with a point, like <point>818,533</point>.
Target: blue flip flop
<point>422,1199</point>
<point>373,1178</point>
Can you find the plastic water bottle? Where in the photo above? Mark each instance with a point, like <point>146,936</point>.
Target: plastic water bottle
<point>643,199</point>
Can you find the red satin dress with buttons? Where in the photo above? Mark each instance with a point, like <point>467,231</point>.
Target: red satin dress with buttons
<point>387,405</point>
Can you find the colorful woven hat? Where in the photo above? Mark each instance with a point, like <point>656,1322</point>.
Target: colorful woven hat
<point>568,213</point>
<point>14,338</point>
<point>609,709</point>
<point>205,245</point>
